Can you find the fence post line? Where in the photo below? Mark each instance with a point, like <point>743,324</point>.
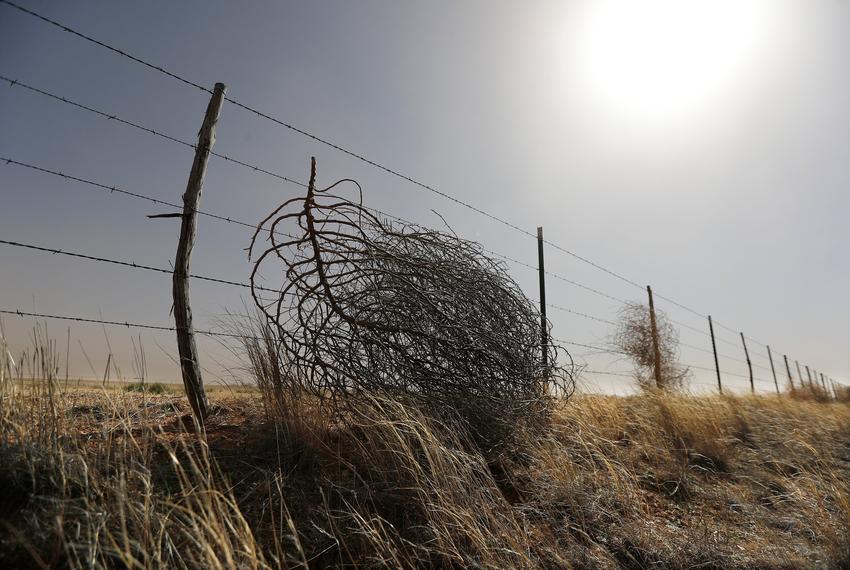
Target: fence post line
<point>189,362</point>
<point>788,370</point>
<point>656,349</point>
<point>799,374</point>
<point>544,329</point>
<point>749,364</point>
<point>714,348</point>
<point>773,369</point>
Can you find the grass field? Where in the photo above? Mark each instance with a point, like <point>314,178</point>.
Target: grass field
<point>106,477</point>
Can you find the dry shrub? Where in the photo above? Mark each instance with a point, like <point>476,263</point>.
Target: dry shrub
<point>817,393</point>
<point>633,337</point>
<point>372,308</point>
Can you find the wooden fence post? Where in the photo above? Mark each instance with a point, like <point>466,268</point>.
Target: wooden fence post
<point>772,369</point>
<point>544,328</point>
<point>788,370</point>
<point>656,349</point>
<point>822,383</point>
<point>749,364</point>
<point>809,375</point>
<point>799,375</point>
<point>714,348</point>
<point>189,363</point>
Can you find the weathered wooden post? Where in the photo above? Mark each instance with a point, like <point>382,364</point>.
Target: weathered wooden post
<point>799,374</point>
<point>189,362</point>
<point>809,375</point>
<point>659,383</point>
<point>544,325</point>
<point>788,370</point>
<point>714,348</point>
<point>823,383</point>
<point>773,369</point>
<point>749,364</point>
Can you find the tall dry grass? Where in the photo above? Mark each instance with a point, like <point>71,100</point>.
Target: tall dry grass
<point>106,478</point>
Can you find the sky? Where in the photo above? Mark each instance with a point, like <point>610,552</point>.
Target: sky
<point>698,147</point>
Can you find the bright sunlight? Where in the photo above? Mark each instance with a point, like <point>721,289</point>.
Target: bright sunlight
<point>665,61</point>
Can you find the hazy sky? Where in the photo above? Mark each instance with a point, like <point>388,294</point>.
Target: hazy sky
<point>700,147</point>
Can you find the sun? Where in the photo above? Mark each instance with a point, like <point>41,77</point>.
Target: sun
<point>666,60</point>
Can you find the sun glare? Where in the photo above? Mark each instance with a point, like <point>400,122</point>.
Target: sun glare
<point>661,61</point>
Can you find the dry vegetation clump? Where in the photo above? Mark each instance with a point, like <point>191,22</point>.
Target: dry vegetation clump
<point>102,478</point>
<point>818,393</point>
<point>632,337</point>
<point>367,307</point>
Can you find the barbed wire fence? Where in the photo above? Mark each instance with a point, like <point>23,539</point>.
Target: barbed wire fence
<point>702,339</point>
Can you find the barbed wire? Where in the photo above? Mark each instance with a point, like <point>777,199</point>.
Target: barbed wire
<point>125,324</point>
<point>13,82</point>
<point>128,324</point>
<point>722,355</point>
<point>134,265</point>
<point>103,45</point>
<point>116,190</point>
<point>577,313</point>
<point>335,146</point>
<point>558,277</point>
<point>599,349</point>
<point>332,145</point>
<point>130,264</point>
<point>157,201</point>
<point>256,168</point>
<point>607,373</point>
<point>135,125</point>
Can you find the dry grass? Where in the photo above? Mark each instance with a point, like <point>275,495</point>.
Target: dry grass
<point>109,478</point>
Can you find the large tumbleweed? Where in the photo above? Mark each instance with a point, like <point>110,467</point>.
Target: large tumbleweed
<point>368,306</point>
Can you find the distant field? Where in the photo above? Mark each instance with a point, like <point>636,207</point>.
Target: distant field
<point>171,386</point>
<point>94,477</point>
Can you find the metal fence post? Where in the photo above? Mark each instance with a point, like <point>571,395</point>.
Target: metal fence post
<point>714,348</point>
<point>749,364</point>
